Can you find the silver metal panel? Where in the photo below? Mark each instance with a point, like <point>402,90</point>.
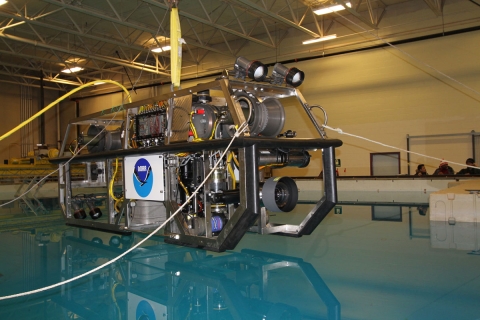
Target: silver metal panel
<point>179,118</point>
<point>286,228</point>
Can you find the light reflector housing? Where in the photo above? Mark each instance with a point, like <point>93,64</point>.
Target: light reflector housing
<point>291,76</point>
<point>250,68</point>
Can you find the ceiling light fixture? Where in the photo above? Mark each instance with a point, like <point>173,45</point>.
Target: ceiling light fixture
<point>332,8</point>
<point>162,49</point>
<point>74,61</point>
<point>330,37</point>
<point>72,70</point>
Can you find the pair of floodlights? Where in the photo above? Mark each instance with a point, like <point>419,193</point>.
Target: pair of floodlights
<point>79,212</point>
<point>257,71</point>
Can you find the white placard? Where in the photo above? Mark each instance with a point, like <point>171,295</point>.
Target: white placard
<point>144,178</point>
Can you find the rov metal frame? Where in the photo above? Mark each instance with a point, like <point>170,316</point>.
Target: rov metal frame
<point>249,210</point>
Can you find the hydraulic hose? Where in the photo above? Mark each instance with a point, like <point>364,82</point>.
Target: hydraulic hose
<point>39,113</point>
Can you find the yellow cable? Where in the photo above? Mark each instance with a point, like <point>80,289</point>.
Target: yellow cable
<point>115,300</point>
<point>230,170</point>
<point>110,188</point>
<point>70,146</point>
<point>116,206</point>
<point>236,161</point>
<point>180,182</point>
<point>192,127</point>
<point>271,165</point>
<point>39,113</point>
<point>214,128</point>
<point>194,131</point>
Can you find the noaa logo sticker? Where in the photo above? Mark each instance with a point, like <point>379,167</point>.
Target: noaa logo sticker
<point>144,311</point>
<point>142,177</point>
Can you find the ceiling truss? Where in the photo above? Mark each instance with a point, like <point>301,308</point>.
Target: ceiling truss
<point>113,38</point>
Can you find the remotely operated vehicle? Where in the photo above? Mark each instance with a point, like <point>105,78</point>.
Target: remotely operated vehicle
<point>145,159</point>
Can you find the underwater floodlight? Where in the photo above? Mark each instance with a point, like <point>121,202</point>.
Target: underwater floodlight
<point>95,212</point>
<point>79,212</point>
<point>253,69</point>
<point>291,76</point>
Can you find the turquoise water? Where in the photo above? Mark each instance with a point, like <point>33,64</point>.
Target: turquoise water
<point>361,263</point>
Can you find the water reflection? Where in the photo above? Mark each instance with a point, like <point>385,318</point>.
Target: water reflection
<point>455,235</point>
<point>386,268</point>
<point>162,281</point>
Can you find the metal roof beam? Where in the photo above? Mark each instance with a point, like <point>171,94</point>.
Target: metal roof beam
<point>358,15</point>
<point>86,55</point>
<point>77,33</point>
<point>279,18</point>
<point>210,23</point>
<point>153,33</point>
<point>436,6</point>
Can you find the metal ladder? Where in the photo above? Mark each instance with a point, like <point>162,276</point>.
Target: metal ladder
<point>31,203</point>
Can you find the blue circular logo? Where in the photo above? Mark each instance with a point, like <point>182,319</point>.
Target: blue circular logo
<point>144,311</point>
<point>142,177</point>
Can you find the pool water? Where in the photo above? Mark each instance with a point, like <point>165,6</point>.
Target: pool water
<point>362,262</point>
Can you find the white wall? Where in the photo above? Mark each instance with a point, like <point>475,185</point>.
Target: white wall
<point>381,94</point>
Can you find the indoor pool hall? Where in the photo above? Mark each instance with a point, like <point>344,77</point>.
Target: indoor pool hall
<point>239,159</point>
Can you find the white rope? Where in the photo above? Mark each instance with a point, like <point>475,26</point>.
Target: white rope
<point>240,130</point>
<point>410,56</point>
<point>392,147</point>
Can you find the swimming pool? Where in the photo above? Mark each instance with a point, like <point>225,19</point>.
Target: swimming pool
<point>362,262</point>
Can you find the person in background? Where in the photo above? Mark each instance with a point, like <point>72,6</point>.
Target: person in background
<point>444,169</point>
<point>468,170</point>
<point>422,210</point>
<point>421,170</point>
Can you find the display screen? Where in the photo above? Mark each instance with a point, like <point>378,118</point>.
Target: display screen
<point>150,125</point>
